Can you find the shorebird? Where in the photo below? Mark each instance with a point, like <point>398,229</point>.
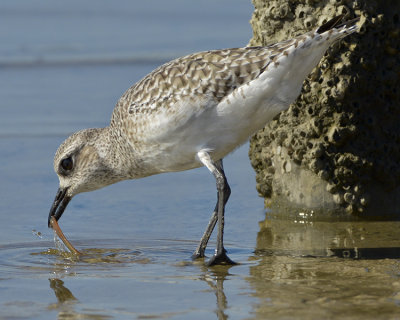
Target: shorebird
<point>192,112</point>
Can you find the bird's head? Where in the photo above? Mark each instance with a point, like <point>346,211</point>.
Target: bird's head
<point>81,166</point>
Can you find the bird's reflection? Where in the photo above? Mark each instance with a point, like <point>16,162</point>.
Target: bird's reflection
<point>62,293</point>
<point>66,303</point>
<point>215,278</point>
<point>65,300</point>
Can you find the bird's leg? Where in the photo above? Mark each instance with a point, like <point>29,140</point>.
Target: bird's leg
<point>201,248</point>
<point>199,252</point>
<point>216,168</point>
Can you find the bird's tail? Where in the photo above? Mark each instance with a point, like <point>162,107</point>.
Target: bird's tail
<point>337,24</point>
<point>328,33</point>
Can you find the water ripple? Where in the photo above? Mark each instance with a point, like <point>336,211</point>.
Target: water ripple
<point>98,256</point>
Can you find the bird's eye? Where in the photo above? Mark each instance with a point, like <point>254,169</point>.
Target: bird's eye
<point>67,164</point>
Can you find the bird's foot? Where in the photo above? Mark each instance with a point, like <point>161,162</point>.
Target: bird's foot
<point>197,255</point>
<point>220,259</point>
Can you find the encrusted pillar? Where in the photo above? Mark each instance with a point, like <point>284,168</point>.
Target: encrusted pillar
<point>336,150</point>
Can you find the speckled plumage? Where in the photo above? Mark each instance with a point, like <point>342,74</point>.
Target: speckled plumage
<point>193,111</point>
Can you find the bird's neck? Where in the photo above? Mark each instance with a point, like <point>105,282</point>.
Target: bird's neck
<point>119,154</point>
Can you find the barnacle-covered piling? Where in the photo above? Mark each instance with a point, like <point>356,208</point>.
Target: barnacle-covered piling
<point>337,149</point>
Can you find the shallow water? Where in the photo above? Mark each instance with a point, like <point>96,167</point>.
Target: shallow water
<point>294,271</point>
<point>62,69</point>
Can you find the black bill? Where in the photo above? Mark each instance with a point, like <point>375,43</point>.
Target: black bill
<point>60,203</point>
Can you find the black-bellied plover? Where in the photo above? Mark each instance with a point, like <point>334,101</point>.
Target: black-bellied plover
<point>192,112</point>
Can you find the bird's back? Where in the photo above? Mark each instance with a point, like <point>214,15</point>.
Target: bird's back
<point>216,99</point>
